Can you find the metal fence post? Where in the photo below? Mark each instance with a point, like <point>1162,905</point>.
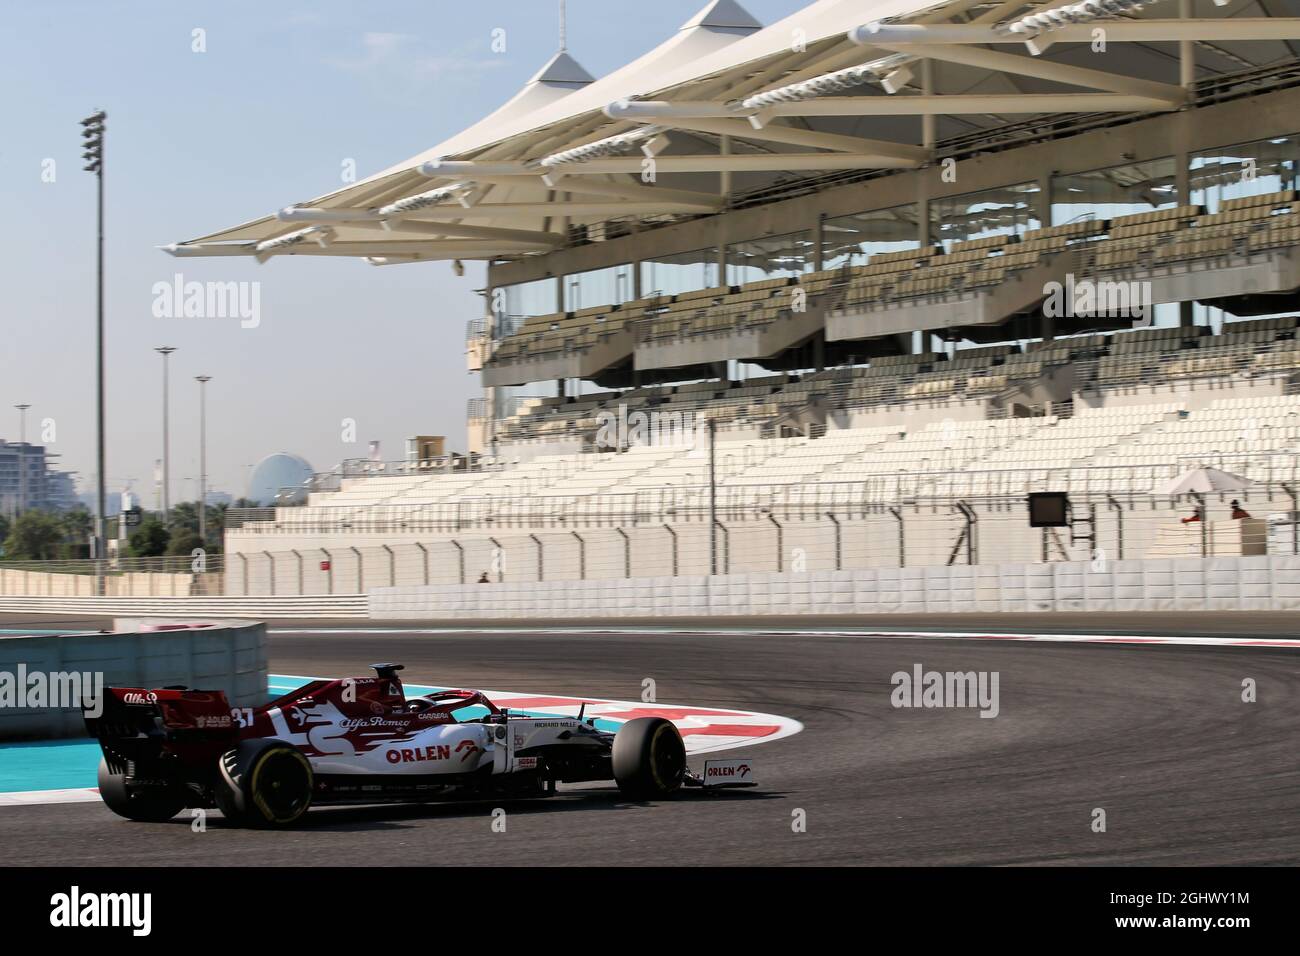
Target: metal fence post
<point>460,556</point>
<point>582,556</point>
<point>780,543</point>
<point>627,553</point>
<point>425,557</point>
<point>392,566</point>
<point>329,571</point>
<point>669,529</point>
<point>838,553</point>
<point>1295,517</point>
<point>301,585</point>
<point>244,559</point>
<point>1204,512</point>
<point>902,538</point>
<point>270,561</point>
<point>540,568</point>
<point>1119,526</point>
<point>361,571</point>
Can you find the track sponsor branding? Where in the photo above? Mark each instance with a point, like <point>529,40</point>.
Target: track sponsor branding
<point>419,754</point>
<point>728,773</point>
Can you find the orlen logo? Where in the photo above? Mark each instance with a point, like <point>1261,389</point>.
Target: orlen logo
<point>741,771</point>
<point>133,698</point>
<point>419,755</point>
<point>467,749</point>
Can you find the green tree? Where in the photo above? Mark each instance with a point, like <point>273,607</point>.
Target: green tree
<point>185,520</point>
<point>78,525</point>
<point>34,536</point>
<point>184,543</point>
<point>4,532</point>
<point>184,517</point>
<point>150,539</point>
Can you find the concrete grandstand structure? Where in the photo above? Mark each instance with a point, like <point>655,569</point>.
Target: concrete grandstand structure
<point>896,268</point>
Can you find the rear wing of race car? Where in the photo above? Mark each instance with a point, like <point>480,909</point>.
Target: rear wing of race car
<point>137,724</point>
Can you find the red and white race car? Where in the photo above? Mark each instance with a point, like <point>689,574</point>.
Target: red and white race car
<point>360,740</point>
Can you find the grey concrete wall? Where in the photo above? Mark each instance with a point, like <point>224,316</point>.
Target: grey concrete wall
<point>229,656</point>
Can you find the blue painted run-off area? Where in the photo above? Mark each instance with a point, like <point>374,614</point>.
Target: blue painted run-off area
<point>71,763</point>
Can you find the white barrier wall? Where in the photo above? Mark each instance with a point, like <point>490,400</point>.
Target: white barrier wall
<point>229,656</point>
<point>337,606</point>
<point>1266,583</point>
<point>57,584</point>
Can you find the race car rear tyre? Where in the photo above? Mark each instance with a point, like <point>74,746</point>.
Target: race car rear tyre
<point>146,804</point>
<point>263,783</point>
<point>649,758</point>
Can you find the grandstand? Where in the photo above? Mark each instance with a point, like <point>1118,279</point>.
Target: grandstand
<point>879,275</point>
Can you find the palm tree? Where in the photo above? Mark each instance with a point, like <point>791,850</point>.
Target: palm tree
<point>77,526</point>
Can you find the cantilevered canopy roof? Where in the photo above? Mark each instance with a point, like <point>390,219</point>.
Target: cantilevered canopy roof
<point>726,106</point>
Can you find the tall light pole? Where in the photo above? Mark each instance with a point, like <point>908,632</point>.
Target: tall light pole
<point>165,351</point>
<point>713,497</point>
<point>203,458</point>
<point>22,457</point>
<point>92,133</point>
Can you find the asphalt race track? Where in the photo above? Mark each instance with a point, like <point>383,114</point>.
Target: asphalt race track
<point>1157,736</point>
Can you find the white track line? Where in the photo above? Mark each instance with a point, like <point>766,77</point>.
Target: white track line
<point>759,632</point>
<point>32,797</point>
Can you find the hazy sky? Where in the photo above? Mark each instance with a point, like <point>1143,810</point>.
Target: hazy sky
<point>285,93</point>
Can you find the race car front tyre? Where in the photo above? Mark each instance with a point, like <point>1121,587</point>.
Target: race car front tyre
<point>263,783</point>
<point>649,758</point>
<point>146,804</point>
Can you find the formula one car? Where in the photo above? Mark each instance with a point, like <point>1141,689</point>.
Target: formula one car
<point>361,741</point>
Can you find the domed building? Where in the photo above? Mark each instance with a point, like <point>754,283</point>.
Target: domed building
<point>279,479</point>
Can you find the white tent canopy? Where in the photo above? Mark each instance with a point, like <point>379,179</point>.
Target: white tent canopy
<point>1202,481</point>
<point>725,104</point>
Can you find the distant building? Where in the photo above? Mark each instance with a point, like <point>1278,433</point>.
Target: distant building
<point>61,491</point>
<point>112,502</point>
<point>27,481</point>
<point>279,479</point>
